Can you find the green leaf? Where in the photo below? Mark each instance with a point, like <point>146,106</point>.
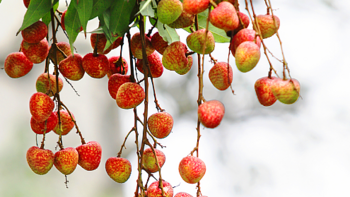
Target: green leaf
<point>104,22</point>
<point>84,8</point>
<point>123,14</point>
<point>72,24</point>
<point>168,34</point>
<point>47,18</point>
<point>146,8</point>
<point>99,6</point>
<point>36,10</point>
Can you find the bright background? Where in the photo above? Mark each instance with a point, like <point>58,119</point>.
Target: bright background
<point>284,150</point>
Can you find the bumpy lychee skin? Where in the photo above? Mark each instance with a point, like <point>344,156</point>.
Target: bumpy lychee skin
<point>160,124</point>
<point>263,91</point>
<point>187,68</point>
<point>35,52</point>
<point>155,65</point>
<point>286,91</point>
<point>242,36</point>
<point>267,25</point>
<point>17,65</point>
<point>41,106</point>
<point>221,75</point>
<point>192,169</point>
<point>72,67</point>
<point>198,39</point>
<point>115,81</point>
<point>47,84</point>
<point>224,16</point>
<point>102,40</point>
<point>174,56</point>
<point>184,20</point>
<point>66,160</point>
<point>154,190</point>
<point>40,160</point>
<point>130,95</point>
<point>117,67</point>
<point>158,43</point>
<point>149,160</point>
<point>89,155</point>
<point>64,47</point>
<point>46,126</point>
<point>210,113</point>
<point>35,32</point>
<point>66,123</point>
<point>119,169</point>
<point>169,10</point>
<point>136,46</point>
<point>183,194</point>
<point>247,56</point>
<point>245,20</point>
<point>195,6</point>
<point>95,66</point>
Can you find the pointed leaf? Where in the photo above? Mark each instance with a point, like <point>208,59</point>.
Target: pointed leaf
<point>146,8</point>
<point>99,6</point>
<point>123,13</point>
<point>36,10</point>
<point>47,18</point>
<point>84,8</point>
<point>72,24</point>
<point>168,34</point>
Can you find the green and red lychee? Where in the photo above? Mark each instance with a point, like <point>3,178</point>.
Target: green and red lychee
<point>149,160</point>
<point>17,65</point>
<point>183,194</point>
<point>159,43</point>
<point>210,113</point>
<point>243,24</point>
<point>45,126</point>
<point>242,36</point>
<point>72,67</point>
<point>183,21</point>
<point>66,160</point>
<point>40,160</point>
<point>263,91</point>
<point>199,40</point>
<point>268,25</point>
<point>117,65</point>
<point>286,90</point>
<point>130,95</point>
<point>63,47</point>
<point>41,106</point>
<point>168,11</point>
<point>160,124</point>
<point>247,56</point>
<point>136,46</point>
<point>89,155</point>
<point>115,81</point>
<point>174,57</point>
<point>35,52</point>
<point>221,75</point>
<point>67,123</point>
<point>187,68</point>
<point>224,16</point>
<point>96,66</point>
<point>195,6</point>
<point>155,191</point>
<point>46,83</point>
<point>155,65</point>
<point>35,32</point>
<point>192,169</point>
<point>119,169</point>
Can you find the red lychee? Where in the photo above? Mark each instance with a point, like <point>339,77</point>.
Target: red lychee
<point>160,124</point>
<point>67,123</point>
<point>89,155</point>
<point>66,160</point>
<point>119,169</point>
<point>35,52</point>
<point>149,160</point>
<point>17,65</point>
<point>210,113</point>
<point>115,81</point>
<point>41,106</point>
<point>46,83</point>
<point>46,126</point>
<point>224,16</point>
<point>72,67</point>
<point>155,65</point>
<point>40,160</point>
<point>263,91</point>
<point>130,95</point>
<point>154,190</point>
<point>221,75</point>
<point>136,46</point>
<point>192,169</point>
<point>95,66</point>
<point>35,32</point>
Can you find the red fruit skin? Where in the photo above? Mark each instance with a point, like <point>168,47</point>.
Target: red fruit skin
<point>130,95</point>
<point>115,81</point>
<point>64,47</point>
<point>117,42</point>
<point>95,67</point>
<point>184,20</point>
<point>158,43</point>
<point>66,160</point>
<point>26,3</point>
<point>115,68</point>
<point>224,16</point>
<point>101,44</point>
<point>155,65</point>
<point>136,47</point>
<point>44,84</point>
<point>72,67</point>
<point>267,25</point>
<point>242,36</point>
<point>195,6</point>
<point>263,91</point>
<point>187,68</point>
<point>149,161</point>
<point>35,32</point>
<point>89,155</point>
<point>174,57</point>
<point>160,124</point>
<point>119,169</point>
<point>35,52</point>
<point>41,127</point>
<point>192,169</point>
<point>40,160</point>
<point>17,65</point>
<point>221,75</point>
<point>62,21</point>
<point>41,106</point>
<point>66,123</point>
<point>183,194</point>
<point>210,113</point>
<point>154,190</point>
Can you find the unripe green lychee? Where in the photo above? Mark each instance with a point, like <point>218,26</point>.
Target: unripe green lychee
<point>198,39</point>
<point>247,56</point>
<point>169,10</point>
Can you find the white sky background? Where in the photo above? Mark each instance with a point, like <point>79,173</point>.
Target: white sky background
<point>296,150</point>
